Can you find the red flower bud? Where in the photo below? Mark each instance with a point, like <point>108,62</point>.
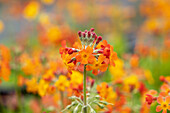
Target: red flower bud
<point>149,99</point>
<point>162,78</point>
<point>70,51</point>
<point>85,31</point>
<point>93,35</point>
<point>89,34</point>
<point>92,83</point>
<point>79,33</point>
<point>92,29</point>
<point>84,34</point>
<point>99,39</point>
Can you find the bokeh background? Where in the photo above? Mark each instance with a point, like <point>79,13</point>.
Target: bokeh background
<point>139,31</point>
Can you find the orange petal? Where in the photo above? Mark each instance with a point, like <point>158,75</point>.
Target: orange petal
<point>89,49</point>
<point>164,87</point>
<point>95,72</point>
<point>158,108</point>
<point>164,111</point>
<point>167,99</point>
<point>160,99</point>
<point>103,68</point>
<point>91,59</point>
<point>89,68</point>
<point>101,58</point>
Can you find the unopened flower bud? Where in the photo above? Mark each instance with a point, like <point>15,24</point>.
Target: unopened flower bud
<point>89,34</point>
<point>99,39</point>
<point>70,51</point>
<point>85,31</point>
<point>84,34</point>
<point>79,33</point>
<point>92,29</point>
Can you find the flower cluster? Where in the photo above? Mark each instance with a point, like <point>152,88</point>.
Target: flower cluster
<point>4,63</point>
<point>92,51</point>
<point>163,99</point>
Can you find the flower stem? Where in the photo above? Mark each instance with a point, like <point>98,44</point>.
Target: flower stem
<point>84,89</point>
<point>62,99</point>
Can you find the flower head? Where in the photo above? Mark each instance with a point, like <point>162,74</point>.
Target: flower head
<point>164,104</point>
<point>92,52</point>
<point>62,83</point>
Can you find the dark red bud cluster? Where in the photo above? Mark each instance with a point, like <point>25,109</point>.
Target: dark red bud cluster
<point>89,33</point>
<point>150,99</point>
<point>79,33</point>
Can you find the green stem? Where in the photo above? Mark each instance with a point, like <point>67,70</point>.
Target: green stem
<point>62,99</point>
<point>84,89</point>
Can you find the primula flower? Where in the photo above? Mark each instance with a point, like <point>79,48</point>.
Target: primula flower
<point>131,83</point>
<point>62,83</point>
<point>85,56</point>
<point>31,10</point>
<point>165,90</point>
<point>92,53</point>
<point>42,87</point>
<point>1,26</point>
<point>164,104</point>
<point>106,92</point>
<point>98,64</point>
<point>150,97</point>
<point>32,85</point>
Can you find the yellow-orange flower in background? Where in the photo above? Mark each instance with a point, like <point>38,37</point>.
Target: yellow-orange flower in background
<point>54,34</point>
<point>44,19</point>
<point>62,83</point>
<point>149,76</point>
<point>31,65</point>
<point>48,2</point>
<point>131,83</point>
<point>76,78</point>
<point>1,26</point>
<point>134,61</point>
<point>106,92</point>
<point>32,85</point>
<point>76,83</point>
<point>5,53</point>
<point>4,63</point>
<point>21,80</point>
<point>118,71</point>
<point>31,10</point>
<point>42,87</point>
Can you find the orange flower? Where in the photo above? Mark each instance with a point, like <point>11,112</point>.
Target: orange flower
<point>164,104</point>
<point>32,85</point>
<point>134,61</point>
<point>98,64</point>
<point>113,56</point>
<point>85,56</point>
<point>106,92</point>
<point>165,88</point>
<point>31,10</point>
<point>67,59</point>
<point>62,83</point>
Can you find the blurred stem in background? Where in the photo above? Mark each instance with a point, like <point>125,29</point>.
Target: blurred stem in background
<point>62,99</point>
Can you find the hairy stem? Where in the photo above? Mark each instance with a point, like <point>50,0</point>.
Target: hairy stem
<point>84,90</point>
